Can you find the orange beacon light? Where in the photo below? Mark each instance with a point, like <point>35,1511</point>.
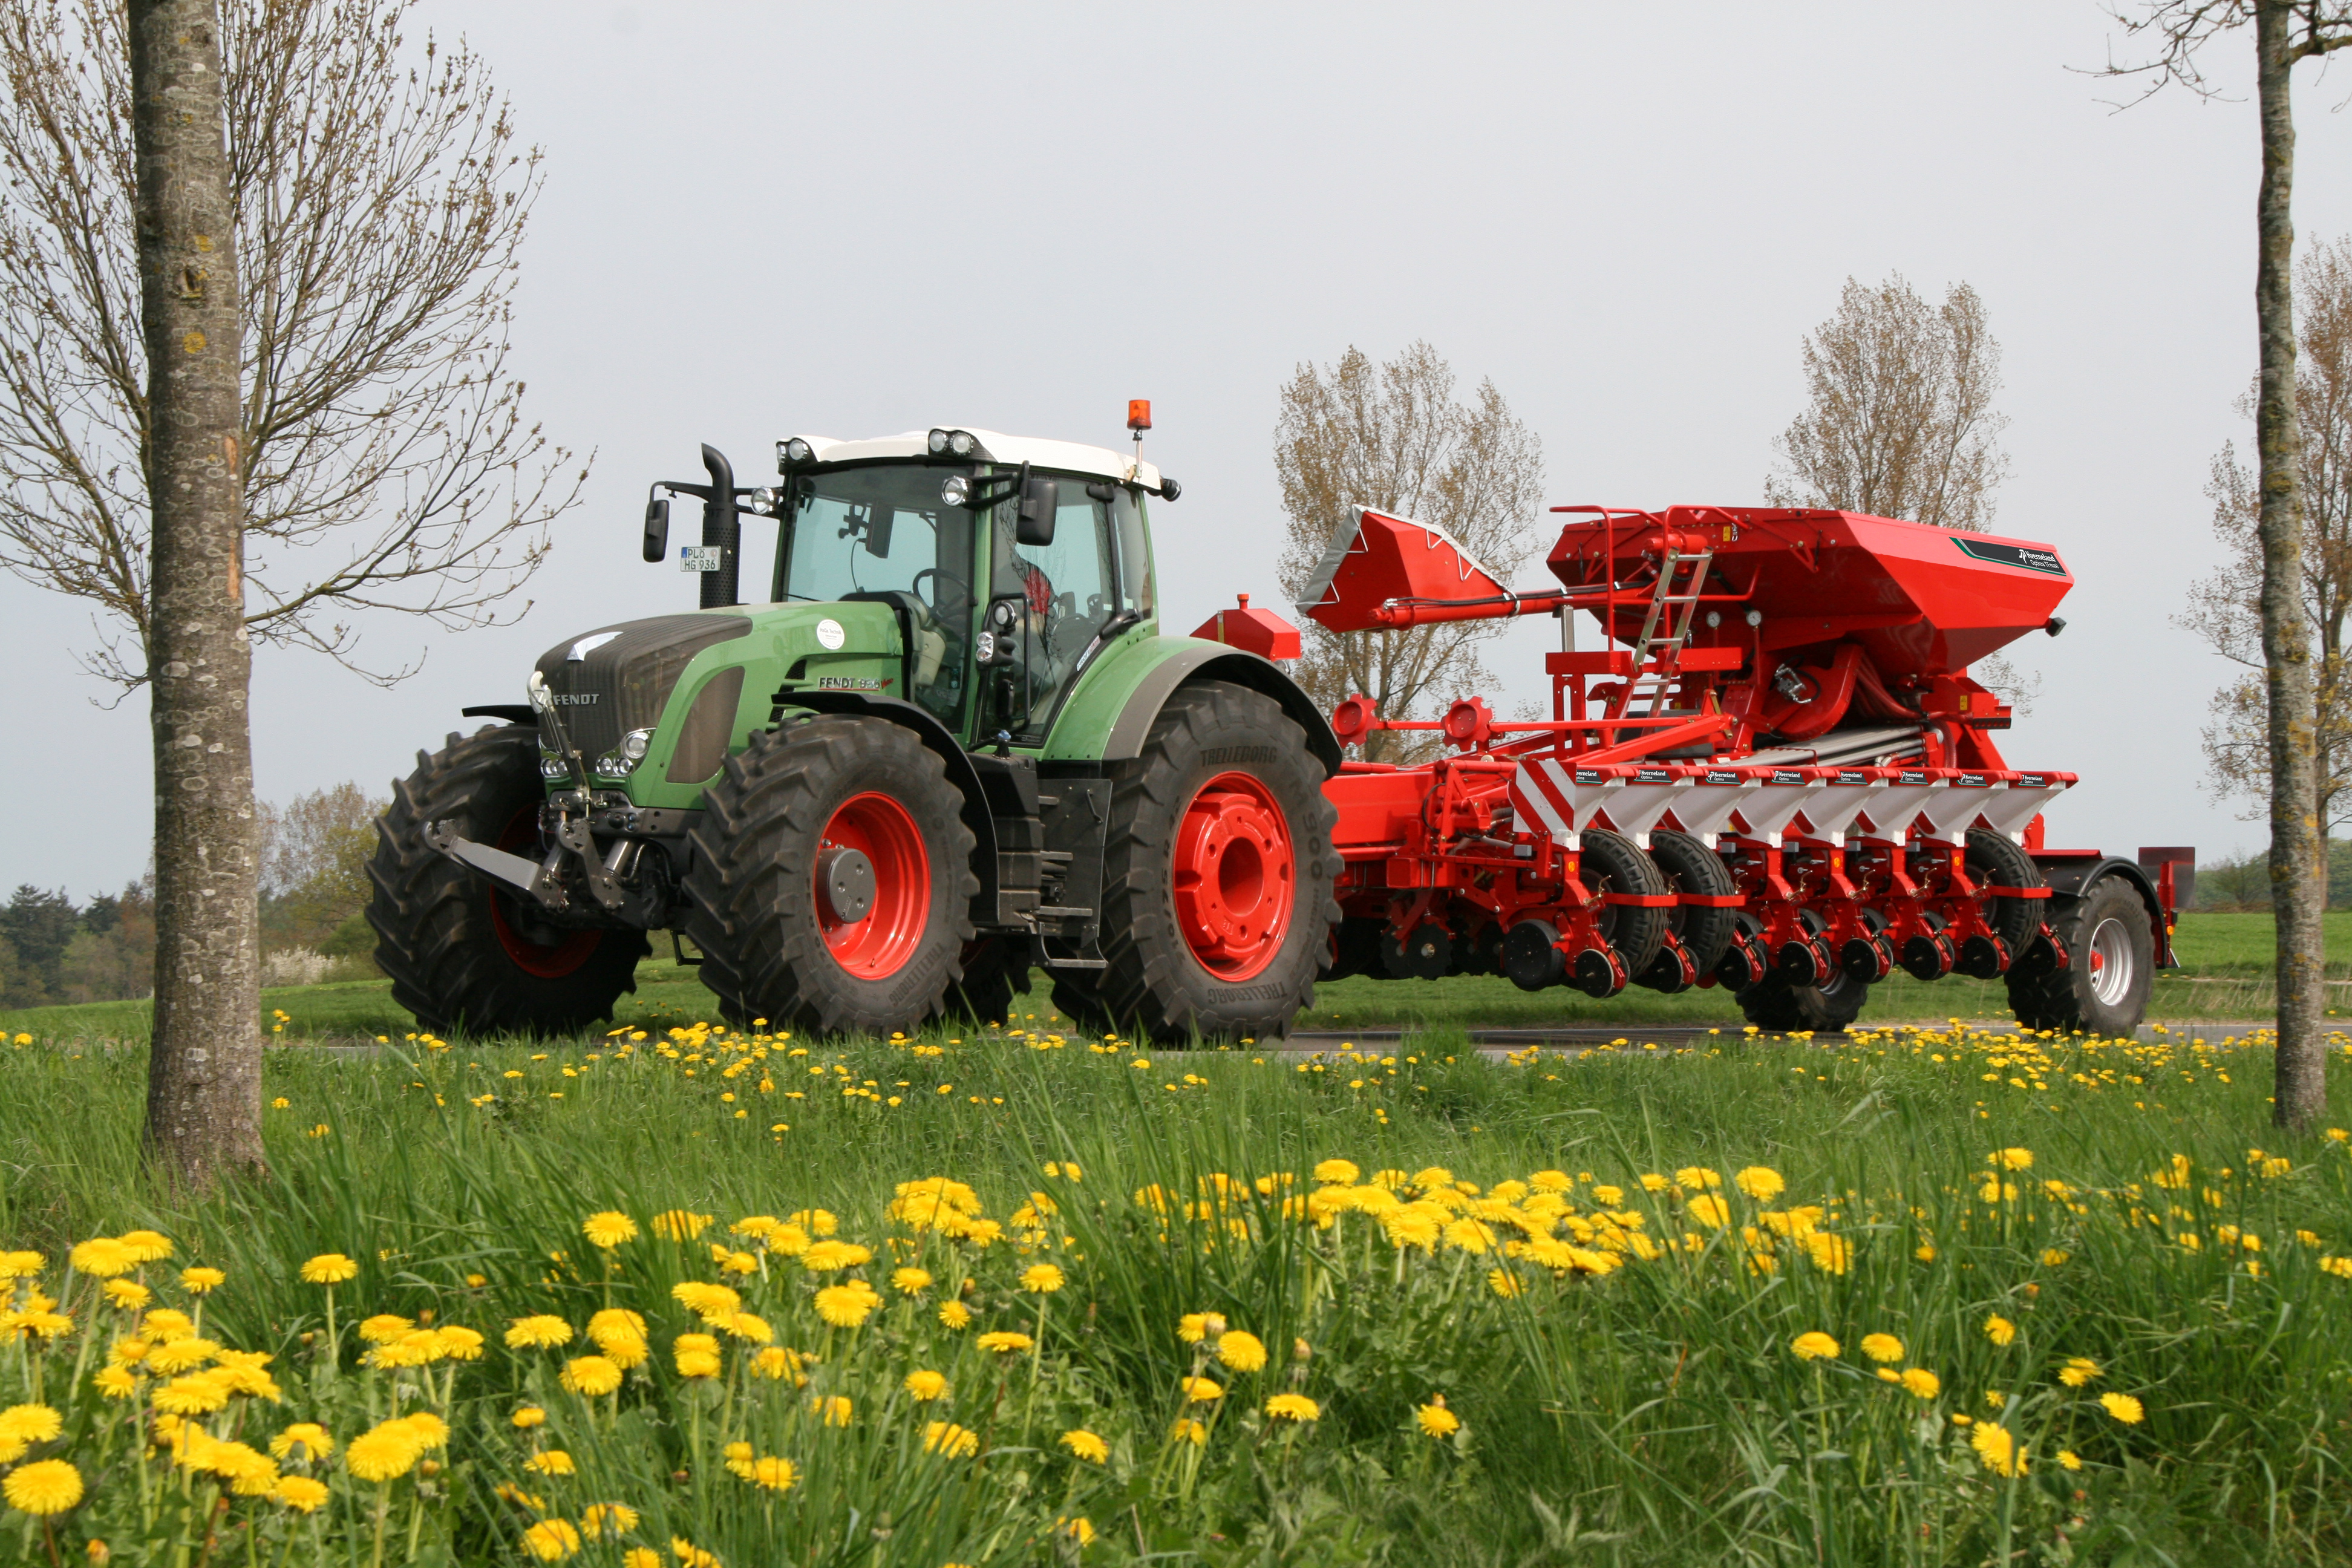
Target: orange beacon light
<point>1139,413</point>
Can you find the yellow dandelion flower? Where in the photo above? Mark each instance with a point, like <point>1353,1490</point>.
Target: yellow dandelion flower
<point>128,1294</point>
<point>1435,1420</point>
<point>384,1328</point>
<point>777,1475</point>
<point>115,1382</point>
<point>101,1257</point>
<point>608,1229</point>
<point>910,1281</point>
<point>550,1462</point>
<point>550,1539</point>
<point>1004,1343</point>
<point>1502,1282</point>
<point>383,1452</point>
<point>1041,1278</point>
<point>29,1424</point>
<point>592,1376</point>
<point>1710,1211</point>
<point>330,1268</point>
<point>847,1306</point>
<point>926,1386</point>
<point>2078,1371</point>
<point>529,1415</point>
<point>1882,1347</point>
<point>43,1487</point>
<point>2124,1408</point>
<point>948,1439</point>
<point>954,1315</point>
<point>1087,1446</point>
<point>1999,1329</point>
<point>299,1493</point>
<point>1188,1430</point>
<point>1293,1407</point>
<point>540,1330</point>
<point>1240,1351</point>
<point>607,1518</point>
<point>1759,1182</point>
<point>306,1442</point>
<point>1814,1346</point>
<point>1199,1390</point>
<point>2015,1159</point>
<point>2068,1460</point>
<point>1997,1449</point>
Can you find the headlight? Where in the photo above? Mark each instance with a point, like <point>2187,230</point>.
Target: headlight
<point>962,443</point>
<point>795,451</point>
<point>956,490</point>
<point>939,442</point>
<point>622,760</point>
<point>633,744</point>
<point>554,768</point>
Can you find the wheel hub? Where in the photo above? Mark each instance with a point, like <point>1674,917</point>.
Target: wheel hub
<point>846,876</point>
<point>2110,961</point>
<point>1234,880</point>
<point>873,886</point>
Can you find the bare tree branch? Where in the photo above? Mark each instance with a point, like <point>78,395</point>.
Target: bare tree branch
<point>381,202</point>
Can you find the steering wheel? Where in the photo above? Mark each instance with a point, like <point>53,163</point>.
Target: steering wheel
<point>916,588</point>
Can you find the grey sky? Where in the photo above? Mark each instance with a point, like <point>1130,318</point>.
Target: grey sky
<point>853,220</point>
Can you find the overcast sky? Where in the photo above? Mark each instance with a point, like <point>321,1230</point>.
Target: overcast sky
<point>860,219</point>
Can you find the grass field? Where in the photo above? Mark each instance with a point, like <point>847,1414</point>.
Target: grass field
<point>1650,1286</point>
<point>2225,959</point>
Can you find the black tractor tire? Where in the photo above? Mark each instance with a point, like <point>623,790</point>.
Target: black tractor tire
<point>995,969</point>
<point>2105,929</point>
<point>1778,1005</point>
<point>1993,861</point>
<point>1154,986</point>
<point>458,945</point>
<point>1612,863</point>
<point>753,904</point>
<point>1690,867</point>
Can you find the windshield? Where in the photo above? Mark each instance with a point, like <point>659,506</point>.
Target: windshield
<point>878,530</point>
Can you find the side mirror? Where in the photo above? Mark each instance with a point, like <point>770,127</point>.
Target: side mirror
<point>657,529</point>
<point>1039,499</point>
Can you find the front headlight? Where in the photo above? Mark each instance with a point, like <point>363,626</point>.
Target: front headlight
<point>554,767</point>
<point>622,760</point>
<point>956,489</point>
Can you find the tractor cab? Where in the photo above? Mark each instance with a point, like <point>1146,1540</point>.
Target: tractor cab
<point>1007,563</point>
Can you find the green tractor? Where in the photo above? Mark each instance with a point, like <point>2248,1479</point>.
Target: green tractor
<point>946,743</point>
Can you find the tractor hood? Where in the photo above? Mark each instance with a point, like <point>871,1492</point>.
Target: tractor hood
<point>618,677</point>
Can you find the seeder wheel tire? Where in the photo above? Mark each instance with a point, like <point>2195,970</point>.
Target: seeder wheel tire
<point>1994,861</point>
<point>832,885</point>
<point>465,952</point>
<point>1218,877</point>
<point>1612,864</point>
<point>1704,929</point>
<point>2111,949</point>
<point>1779,1006</point>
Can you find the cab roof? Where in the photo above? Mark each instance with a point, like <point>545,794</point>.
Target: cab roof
<point>1066,457</point>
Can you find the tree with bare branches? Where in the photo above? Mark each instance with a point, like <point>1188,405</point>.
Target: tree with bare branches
<point>379,199</point>
<point>255,266</point>
<point>1899,422</point>
<point>2286,33</point>
<point>2225,609</point>
<point>1391,436</point>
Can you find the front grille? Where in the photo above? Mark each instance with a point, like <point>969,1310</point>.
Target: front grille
<point>621,685</point>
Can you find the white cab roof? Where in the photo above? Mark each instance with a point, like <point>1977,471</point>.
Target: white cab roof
<point>1068,456</point>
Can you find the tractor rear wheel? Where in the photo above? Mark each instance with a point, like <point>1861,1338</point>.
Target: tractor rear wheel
<point>1779,1006</point>
<point>831,887</point>
<point>2111,965</point>
<point>1218,877</point>
<point>466,952</point>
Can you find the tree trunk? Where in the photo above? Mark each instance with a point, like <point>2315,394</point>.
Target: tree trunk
<point>2298,866</point>
<point>204,1085</point>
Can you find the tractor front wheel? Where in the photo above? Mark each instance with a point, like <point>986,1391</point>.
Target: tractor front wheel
<point>467,952</point>
<point>1218,877</point>
<point>831,887</point>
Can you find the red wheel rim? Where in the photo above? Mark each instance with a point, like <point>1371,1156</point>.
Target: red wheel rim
<point>1235,876</point>
<point>881,942</point>
<point>541,960</point>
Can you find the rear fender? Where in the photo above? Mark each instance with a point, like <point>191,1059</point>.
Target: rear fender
<point>2074,876</point>
<point>1110,716</point>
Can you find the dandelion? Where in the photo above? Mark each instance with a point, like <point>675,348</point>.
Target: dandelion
<point>1041,1278</point>
<point>383,1452</point>
<point>1435,1420</point>
<point>43,1487</point>
<point>1502,1282</point>
<point>910,1281</point>
<point>847,1306</point>
<point>688,1555</point>
<point>299,1493</point>
<point>592,1376</point>
<point>1338,1172</point>
<point>1921,1382</point>
<point>551,1540</point>
<point>1710,1211</point>
<point>954,1315</point>
<point>776,1475</point>
<point>114,1382</point>
<point>1005,1343</point>
<point>1188,1430</point>
<point>1087,1446</point>
<point>1242,1351</point>
<point>1293,1407</point>
<point>608,1229</point>
<point>128,1294</point>
<point>29,1424</point>
<point>2068,1460</point>
<point>550,1462</point>
<point>1882,1347</point>
<point>2053,1257</point>
<point>1760,1183</point>
<point>925,1385</point>
<point>2124,1408</point>
<point>1997,1449</point>
<point>705,1299</point>
<point>695,1355</point>
<point>1199,1390</point>
<point>529,1417</point>
<point>945,1437</point>
<point>330,1268</point>
<point>101,1257</point>
<point>1194,1327</point>
<point>603,1519</point>
<point>2078,1371</point>
<point>306,1442</point>
<point>384,1328</point>
<point>1999,1329</point>
<point>539,1329</point>
<point>1814,1346</point>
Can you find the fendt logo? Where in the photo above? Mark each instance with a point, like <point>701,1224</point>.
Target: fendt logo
<point>574,699</point>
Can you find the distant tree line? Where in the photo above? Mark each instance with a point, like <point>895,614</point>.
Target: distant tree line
<point>2244,881</point>
<point>314,885</point>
